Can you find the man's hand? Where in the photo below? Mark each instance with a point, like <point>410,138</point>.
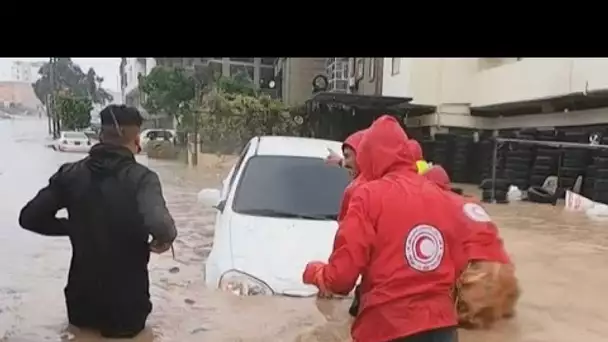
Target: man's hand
<point>159,248</point>
<point>333,158</point>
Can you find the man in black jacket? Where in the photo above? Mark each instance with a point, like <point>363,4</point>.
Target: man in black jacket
<point>114,204</point>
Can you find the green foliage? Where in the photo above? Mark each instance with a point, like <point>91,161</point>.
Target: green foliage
<point>228,120</point>
<point>239,84</point>
<point>70,77</point>
<point>167,91</point>
<point>74,112</point>
<point>229,111</point>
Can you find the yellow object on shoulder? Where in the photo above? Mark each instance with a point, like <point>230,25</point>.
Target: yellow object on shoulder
<point>422,166</point>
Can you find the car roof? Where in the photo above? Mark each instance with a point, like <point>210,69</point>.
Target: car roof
<point>297,146</point>
<point>72,132</point>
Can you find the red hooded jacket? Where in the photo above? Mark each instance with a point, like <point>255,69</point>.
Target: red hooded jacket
<point>415,149</point>
<point>399,236</point>
<point>353,142</point>
<point>482,241</point>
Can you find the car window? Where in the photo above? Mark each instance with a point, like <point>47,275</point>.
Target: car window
<point>74,135</point>
<point>300,186</point>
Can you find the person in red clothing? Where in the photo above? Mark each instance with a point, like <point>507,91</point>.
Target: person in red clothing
<point>397,235</point>
<point>487,289</point>
<point>416,151</point>
<point>349,149</point>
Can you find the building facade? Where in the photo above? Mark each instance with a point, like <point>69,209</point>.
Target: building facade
<point>294,78</point>
<point>25,71</point>
<point>19,94</point>
<point>502,93</point>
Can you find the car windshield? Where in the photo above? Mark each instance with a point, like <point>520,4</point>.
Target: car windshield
<point>286,186</point>
<point>74,135</point>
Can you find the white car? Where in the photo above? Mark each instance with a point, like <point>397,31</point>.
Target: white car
<point>276,212</point>
<point>156,134</point>
<point>70,141</point>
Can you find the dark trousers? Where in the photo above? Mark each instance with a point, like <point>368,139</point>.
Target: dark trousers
<point>122,322</point>
<point>437,335</point>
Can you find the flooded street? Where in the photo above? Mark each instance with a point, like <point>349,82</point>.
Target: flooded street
<point>560,260</point>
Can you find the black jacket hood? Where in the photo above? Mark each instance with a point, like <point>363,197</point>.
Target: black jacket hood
<point>108,158</point>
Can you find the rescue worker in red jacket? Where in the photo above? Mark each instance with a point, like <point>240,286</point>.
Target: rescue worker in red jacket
<point>349,150</point>
<point>399,235</point>
<point>416,150</point>
<point>487,289</point>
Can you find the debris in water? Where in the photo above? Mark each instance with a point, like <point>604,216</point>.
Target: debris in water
<point>174,269</point>
<point>189,301</point>
<point>197,330</point>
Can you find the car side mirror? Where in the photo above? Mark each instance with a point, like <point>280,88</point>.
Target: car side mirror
<point>210,198</point>
<point>220,206</point>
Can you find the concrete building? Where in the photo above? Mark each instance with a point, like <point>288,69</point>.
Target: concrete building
<point>19,94</point>
<point>25,71</point>
<point>294,78</point>
<point>502,93</point>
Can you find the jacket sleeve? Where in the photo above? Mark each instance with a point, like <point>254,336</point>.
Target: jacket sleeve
<point>351,247</point>
<point>38,215</point>
<point>152,207</point>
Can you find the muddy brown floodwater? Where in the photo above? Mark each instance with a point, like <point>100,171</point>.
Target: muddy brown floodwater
<point>560,259</point>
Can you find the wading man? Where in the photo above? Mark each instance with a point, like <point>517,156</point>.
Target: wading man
<point>114,205</point>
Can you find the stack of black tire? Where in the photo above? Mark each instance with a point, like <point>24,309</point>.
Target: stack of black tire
<point>546,160</point>
<point>519,158</point>
<point>476,162</point>
<point>501,185</point>
<point>428,149</point>
<point>461,159</point>
<point>599,177</point>
<point>443,149</point>
<point>574,161</point>
<point>486,150</point>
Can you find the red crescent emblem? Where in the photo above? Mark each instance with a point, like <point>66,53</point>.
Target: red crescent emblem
<point>419,253</point>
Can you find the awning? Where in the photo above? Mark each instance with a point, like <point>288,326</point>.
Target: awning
<point>359,101</point>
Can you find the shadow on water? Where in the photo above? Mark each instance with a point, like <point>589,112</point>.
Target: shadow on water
<point>559,259</point>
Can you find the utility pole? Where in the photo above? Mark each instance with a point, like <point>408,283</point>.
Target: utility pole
<point>197,107</point>
<point>49,113</point>
<point>52,98</point>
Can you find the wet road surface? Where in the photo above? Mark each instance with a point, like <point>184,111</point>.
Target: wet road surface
<point>560,260</point>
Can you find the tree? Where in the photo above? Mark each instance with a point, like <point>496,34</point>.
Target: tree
<point>230,110</point>
<point>74,112</point>
<point>168,91</point>
<point>70,77</point>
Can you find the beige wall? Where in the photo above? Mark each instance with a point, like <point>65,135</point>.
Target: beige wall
<point>297,78</point>
<point>490,81</point>
<point>455,85</point>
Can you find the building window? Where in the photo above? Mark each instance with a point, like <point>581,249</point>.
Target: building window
<point>242,60</point>
<point>268,60</point>
<point>371,71</point>
<point>266,75</point>
<point>360,68</point>
<point>216,69</point>
<point>395,66</point>
<point>241,70</point>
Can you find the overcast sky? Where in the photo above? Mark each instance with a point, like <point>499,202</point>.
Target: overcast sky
<point>105,67</point>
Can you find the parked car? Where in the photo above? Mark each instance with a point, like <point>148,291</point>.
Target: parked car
<point>70,141</point>
<point>156,134</point>
<point>276,211</point>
